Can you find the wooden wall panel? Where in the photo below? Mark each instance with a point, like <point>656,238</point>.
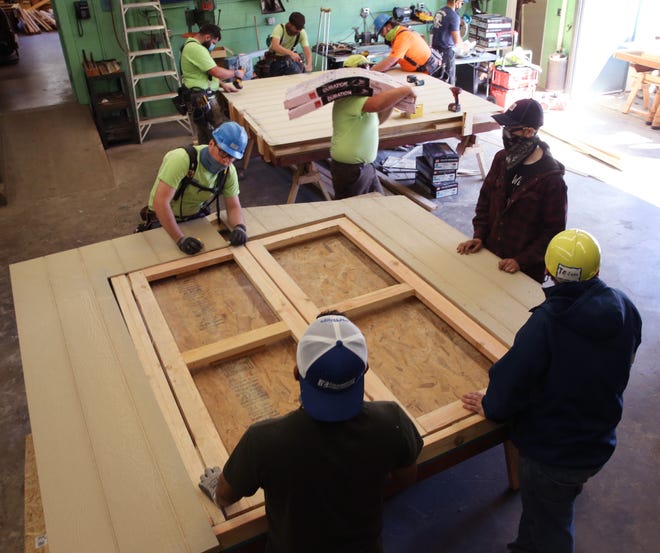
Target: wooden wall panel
<point>80,364</point>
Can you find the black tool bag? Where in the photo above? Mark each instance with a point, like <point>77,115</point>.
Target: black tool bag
<point>180,102</point>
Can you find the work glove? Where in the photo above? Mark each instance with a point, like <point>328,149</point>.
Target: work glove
<point>189,245</point>
<point>238,236</point>
<point>208,482</point>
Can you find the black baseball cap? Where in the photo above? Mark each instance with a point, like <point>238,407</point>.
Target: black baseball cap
<point>297,20</point>
<point>523,113</point>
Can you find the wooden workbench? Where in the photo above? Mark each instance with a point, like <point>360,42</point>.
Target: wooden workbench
<point>281,142</point>
<point>644,62</point>
<point>111,469</point>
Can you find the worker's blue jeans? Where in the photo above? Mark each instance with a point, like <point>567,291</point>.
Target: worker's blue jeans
<point>548,499</point>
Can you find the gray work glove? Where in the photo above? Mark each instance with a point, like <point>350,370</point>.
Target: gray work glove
<point>238,236</point>
<point>208,482</point>
<point>189,245</point>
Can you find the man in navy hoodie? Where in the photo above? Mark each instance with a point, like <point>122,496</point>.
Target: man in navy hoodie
<point>561,387</point>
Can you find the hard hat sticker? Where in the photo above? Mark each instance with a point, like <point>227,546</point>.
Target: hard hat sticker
<point>571,274</point>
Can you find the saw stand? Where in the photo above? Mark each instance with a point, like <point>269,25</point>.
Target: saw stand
<point>323,39</point>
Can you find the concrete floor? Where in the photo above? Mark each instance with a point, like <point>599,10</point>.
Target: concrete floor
<point>464,509</point>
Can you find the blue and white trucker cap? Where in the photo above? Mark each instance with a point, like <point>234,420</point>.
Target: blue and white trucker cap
<point>332,360</point>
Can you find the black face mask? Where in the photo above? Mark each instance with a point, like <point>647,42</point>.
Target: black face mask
<point>518,148</point>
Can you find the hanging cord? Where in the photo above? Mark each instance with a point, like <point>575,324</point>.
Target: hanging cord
<point>114,27</point>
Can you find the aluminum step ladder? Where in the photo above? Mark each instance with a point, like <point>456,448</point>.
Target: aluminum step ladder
<point>150,90</point>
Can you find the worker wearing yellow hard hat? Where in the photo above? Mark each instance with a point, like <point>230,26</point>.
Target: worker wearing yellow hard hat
<point>561,388</point>
<point>356,60</point>
<point>573,255</point>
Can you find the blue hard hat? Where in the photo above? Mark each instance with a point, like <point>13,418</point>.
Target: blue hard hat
<point>381,21</point>
<point>232,138</point>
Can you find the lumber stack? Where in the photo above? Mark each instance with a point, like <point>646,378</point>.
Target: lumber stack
<point>315,93</point>
<point>33,20</point>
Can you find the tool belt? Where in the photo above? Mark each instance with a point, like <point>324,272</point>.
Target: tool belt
<point>198,102</point>
<point>431,66</point>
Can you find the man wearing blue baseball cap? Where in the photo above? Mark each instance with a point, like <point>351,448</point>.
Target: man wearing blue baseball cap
<point>523,201</point>
<point>324,467</point>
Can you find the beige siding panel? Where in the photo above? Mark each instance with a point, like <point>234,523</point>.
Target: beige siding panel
<point>135,251</point>
<point>253,225</point>
<point>205,231</point>
<point>75,509</point>
<point>188,502</point>
<point>122,453</point>
<point>415,235</point>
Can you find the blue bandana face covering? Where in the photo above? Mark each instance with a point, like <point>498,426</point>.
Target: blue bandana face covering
<point>209,163</point>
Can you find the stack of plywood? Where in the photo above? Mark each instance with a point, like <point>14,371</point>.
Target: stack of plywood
<point>340,83</point>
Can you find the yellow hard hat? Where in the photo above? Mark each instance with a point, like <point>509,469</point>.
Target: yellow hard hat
<point>573,255</point>
<point>356,60</point>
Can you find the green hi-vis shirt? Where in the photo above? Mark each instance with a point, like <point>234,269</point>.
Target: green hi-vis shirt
<point>175,166</point>
<point>286,40</point>
<point>354,133</point>
<point>196,61</point>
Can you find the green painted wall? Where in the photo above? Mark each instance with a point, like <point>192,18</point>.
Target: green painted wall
<point>237,20</point>
<point>242,22</point>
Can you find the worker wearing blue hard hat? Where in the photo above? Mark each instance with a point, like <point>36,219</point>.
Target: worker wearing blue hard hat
<point>189,181</point>
<point>380,21</point>
<point>409,49</point>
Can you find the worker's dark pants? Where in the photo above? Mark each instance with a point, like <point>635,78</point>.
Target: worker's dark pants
<point>548,506</point>
<point>354,179</point>
<point>204,118</point>
<point>448,68</point>
<point>284,65</point>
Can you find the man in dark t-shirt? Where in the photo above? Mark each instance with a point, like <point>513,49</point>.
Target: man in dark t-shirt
<point>324,467</point>
<point>445,35</point>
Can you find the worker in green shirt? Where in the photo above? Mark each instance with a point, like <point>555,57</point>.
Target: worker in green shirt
<point>283,42</point>
<point>190,180</point>
<point>354,146</point>
<point>201,79</point>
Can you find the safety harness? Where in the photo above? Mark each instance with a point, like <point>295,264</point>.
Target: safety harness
<point>431,65</point>
<point>188,180</point>
<point>149,218</point>
<point>269,39</point>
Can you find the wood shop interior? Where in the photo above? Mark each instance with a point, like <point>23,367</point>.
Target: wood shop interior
<point>133,363</point>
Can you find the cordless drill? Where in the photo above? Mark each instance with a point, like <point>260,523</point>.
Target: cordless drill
<point>238,82</point>
<point>455,106</point>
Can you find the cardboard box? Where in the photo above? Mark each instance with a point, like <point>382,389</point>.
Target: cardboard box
<point>441,191</point>
<point>440,156</point>
<point>437,178</point>
<point>219,52</point>
<point>491,21</point>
